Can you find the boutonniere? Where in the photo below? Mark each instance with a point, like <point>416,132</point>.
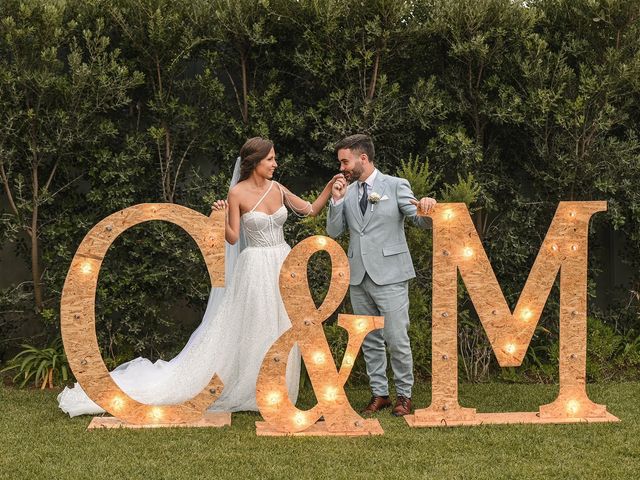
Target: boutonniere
<point>375,197</point>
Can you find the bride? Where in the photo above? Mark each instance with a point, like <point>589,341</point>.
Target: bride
<point>243,319</point>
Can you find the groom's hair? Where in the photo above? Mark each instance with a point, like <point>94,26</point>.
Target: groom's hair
<point>357,143</point>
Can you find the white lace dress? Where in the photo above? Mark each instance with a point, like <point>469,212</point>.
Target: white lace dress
<point>231,341</point>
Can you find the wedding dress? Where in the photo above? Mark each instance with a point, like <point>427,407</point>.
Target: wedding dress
<point>237,330</point>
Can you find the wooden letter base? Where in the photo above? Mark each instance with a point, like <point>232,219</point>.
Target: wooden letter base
<point>506,418</point>
<point>209,420</point>
<point>369,427</point>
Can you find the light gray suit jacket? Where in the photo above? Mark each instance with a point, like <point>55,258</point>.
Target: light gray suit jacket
<point>377,243</point>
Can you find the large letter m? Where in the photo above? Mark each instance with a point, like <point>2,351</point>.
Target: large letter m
<point>457,247</point>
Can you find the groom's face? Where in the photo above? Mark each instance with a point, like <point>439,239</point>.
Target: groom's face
<point>350,164</point>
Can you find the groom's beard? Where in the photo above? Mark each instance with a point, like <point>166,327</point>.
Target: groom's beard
<point>354,174</point>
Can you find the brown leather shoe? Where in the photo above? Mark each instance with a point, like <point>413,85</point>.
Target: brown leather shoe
<point>402,407</point>
<point>376,404</point>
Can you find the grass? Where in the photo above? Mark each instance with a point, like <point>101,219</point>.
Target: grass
<point>39,441</point>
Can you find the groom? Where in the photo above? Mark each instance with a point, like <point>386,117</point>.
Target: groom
<point>373,207</point>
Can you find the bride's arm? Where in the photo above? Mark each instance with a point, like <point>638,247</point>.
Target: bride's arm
<point>303,207</point>
<point>232,208</point>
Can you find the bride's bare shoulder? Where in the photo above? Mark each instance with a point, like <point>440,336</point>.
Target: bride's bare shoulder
<point>237,189</point>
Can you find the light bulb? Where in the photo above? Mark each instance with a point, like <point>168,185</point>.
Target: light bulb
<point>348,360</point>
<point>361,325</point>
<point>318,357</point>
<point>526,314</point>
<point>299,418</point>
<point>554,247</point>
<point>117,403</point>
<point>448,214</point>
<point>86,268</point>
<point>321,241</point>
<point>273,398</point>
<point>574,247</point>
<point>573,406</point>
<point>156,413</point>
<point>331,393</point>
<point>510,348</point>
<point>468,252</point>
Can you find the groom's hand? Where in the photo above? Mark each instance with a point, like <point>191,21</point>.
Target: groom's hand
<point>425,205</point>
<point>339,188</point>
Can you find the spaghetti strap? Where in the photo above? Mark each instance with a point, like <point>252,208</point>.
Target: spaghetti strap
<point>263,197</point>
<point>281,192</point>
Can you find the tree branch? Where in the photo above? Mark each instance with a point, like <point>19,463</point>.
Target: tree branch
<point>7,188</point>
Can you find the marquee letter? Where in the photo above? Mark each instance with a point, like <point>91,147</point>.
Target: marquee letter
<point>457,247</point>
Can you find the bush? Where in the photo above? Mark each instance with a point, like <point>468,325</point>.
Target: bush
<point>47,366</point>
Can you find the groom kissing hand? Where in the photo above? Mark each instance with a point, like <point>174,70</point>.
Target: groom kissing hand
<point>373,207</point>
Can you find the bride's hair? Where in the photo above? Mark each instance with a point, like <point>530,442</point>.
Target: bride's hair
<point>253,150</point>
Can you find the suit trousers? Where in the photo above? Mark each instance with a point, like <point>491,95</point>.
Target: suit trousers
<point>392,302</point>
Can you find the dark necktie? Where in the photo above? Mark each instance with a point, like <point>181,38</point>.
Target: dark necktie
<point>363,200</point>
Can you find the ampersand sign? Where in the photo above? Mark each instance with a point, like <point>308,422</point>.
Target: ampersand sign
<point>281,415</point>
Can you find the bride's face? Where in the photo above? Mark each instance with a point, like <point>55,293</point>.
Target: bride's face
<point>267,165</point>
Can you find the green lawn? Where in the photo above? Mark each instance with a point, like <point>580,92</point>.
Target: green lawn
<point>39,441</point>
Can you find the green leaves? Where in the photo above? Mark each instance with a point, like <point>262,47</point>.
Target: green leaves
<point>420,178</point>
<point>516,106</point>
<point>47,367</point>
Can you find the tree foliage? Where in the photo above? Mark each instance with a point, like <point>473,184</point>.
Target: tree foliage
<point>509,106</point>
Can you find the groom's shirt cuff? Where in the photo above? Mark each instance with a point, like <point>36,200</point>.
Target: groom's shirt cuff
<point>336,203</point>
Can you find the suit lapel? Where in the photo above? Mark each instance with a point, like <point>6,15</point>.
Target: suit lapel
<point>379,187</point>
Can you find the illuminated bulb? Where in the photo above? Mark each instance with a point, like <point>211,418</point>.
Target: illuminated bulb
<point>322,241</point>
<point>572,214</point>
<point>318,357</point>
<point>510,348</point>
<point>86,268</point>
<point>448,214</point>
<point>526,314</point>
<point>574,247</point>
<point>573,406</point>
<point>156,413</point>
<point>361,325</point>
<point>468,252</point>
<point>299,418</point>
<point>331,393</point>
<point>273,398</point>
<point>348,360</point>
<point>554,247</point>
<point>117,403</point>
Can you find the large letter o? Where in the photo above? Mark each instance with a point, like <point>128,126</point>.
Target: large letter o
<point>77,310</point>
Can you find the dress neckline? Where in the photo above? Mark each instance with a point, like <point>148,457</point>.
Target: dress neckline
<point>263,213</point>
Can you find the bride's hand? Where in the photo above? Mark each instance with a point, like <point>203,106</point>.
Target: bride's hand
<point>335,177</point>
<point>220,205</point>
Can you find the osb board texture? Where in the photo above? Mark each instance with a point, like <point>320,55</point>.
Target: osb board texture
<point>78,310</point>
<point>306,331</point>
<point>319,429</point>
<point>209,420</point>
<point>457,248</point>
<point>509,418</point>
